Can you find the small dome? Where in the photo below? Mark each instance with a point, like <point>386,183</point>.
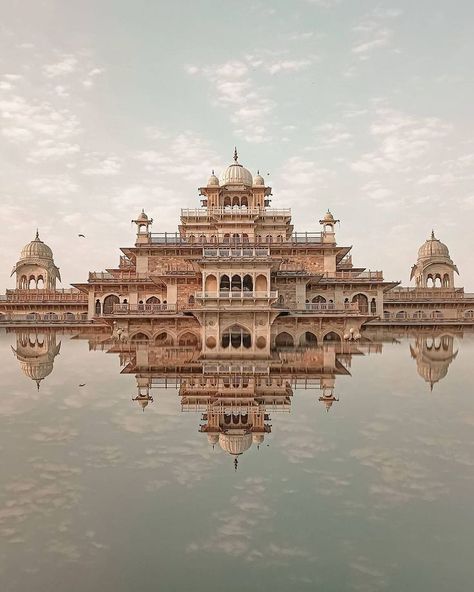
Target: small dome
<point>235,443</point>
<point>236,174</point>
<point>259,180</point>
<point>142,217</point>
<point>433,247</point>
<point>328,217</point>
<point>36,249</point>
<point>213,181</point>
<point>257,438</point>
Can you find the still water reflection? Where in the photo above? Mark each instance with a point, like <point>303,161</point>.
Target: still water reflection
<point>140,467</point>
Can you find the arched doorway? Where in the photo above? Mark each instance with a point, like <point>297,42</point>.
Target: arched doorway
<point>308,339</point>
<point>153,300</point>
<point>188,339</point>
<point>362,301</point>
<point>331,337</point>
<point>284,339</point>
<point>109,302</point>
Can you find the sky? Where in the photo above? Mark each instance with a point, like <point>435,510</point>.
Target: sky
<point>111,106</point>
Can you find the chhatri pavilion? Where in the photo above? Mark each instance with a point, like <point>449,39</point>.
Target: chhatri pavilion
<point>237,275</point>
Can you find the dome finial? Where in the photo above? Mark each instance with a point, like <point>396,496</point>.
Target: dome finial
<point>236,463</point>
<point>37,235</point>
<point>432,234</point>
<point>235,154</point>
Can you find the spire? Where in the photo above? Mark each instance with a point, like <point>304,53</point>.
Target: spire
<point>432,234</point>
<point>212,172</point>
<point>37,235</point>
<point>235,154</point>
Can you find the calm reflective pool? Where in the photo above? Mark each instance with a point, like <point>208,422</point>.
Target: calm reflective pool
<point>348,467</point>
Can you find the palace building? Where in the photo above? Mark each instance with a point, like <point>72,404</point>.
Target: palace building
<point>237,275</point>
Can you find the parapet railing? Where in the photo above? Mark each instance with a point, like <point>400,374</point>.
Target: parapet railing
<point>236,295</point>
<point>105,276</point>
<point>418,316</point>
<point>332,307</point>
<point>176,239</point>
<point>45,296</point>
<point>144,309</point>
<point>428,294</point>
<point>226,252</point>
<point>351,275</point>
<point>50,317</point>
<point>233,211</point>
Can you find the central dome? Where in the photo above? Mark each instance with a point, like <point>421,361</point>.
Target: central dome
<point>235,443</point>
<point>236,174</point>
<point>433,247</point>
<point>36,249</point>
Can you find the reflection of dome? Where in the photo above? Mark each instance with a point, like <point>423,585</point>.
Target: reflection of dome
<point>258,438</point>
<point>213,181</point>
<point>36,249</point>
<point>433,357</point>
<point>433,247</point>
<point>258,179</point>
<point>213,438</point>
<point>235,443</point>
<point>36,357</point>
<point>236,174</point>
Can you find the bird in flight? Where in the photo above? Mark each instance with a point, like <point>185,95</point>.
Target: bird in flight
<point>82,235</point>
<point>83,384</point>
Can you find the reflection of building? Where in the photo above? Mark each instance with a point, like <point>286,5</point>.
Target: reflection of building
<point>433,357</point>
<point>236,395</point>
<point>36,353</point>
<point>435,300</point>
<point>36,298</point>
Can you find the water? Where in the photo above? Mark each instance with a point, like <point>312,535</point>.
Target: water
<point>375,494</point>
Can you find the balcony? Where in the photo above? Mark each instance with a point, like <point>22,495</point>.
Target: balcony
<point>428,295</point>
<point>206,213</point>
<point>236,295</point>
<point>141,309</point>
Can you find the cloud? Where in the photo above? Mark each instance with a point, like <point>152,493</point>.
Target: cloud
<point>67,65</point>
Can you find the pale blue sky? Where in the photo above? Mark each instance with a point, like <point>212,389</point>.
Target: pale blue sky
<point>363,107</point>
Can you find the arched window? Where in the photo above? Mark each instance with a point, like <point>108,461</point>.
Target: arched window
<point>188,339</point>
<point>109,302</point>
<point>225,283</point>
<point>153,300</point>
<point>318,299</point>
<point>236,336</point>
<point>261,284</point>
<point>244,202</point>
<point>373,306</point>
<point>247,283</point>
<point>97,307</point>
<point>191,299</point>
<point>236,283</point>
<point>227,202</point>
<point>235,201</point>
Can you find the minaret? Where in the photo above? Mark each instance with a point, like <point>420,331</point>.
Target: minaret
<point>143,227</point>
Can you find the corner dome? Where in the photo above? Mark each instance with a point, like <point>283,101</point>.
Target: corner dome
<point>235,443</point>
<point>236,174</point>
<point>258,180</point>
<point>36,249</point>
<point>213,181</point>
<point>328,217</point>
<point>433,247</point>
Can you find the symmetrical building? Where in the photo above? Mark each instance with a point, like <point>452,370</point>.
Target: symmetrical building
<point>237,275</point>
